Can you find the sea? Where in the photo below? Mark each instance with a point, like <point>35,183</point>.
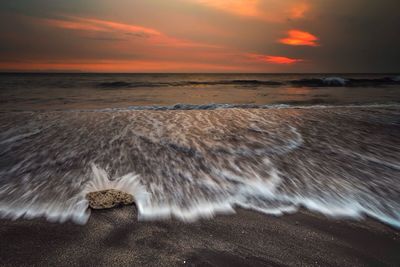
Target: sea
<point>191,146</point>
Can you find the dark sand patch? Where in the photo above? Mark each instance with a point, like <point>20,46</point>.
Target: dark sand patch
<point>115,238</point>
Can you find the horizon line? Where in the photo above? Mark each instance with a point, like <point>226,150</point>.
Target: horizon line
<point>169,73</point>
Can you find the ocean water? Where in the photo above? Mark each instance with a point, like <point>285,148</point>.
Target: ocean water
<point>190,146</point>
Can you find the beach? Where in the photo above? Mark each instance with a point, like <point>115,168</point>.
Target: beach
<point>238,181</point>
<point>116,238</point>
<point>199,133</point>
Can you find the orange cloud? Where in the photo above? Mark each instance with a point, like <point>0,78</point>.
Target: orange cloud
<point>300,38</point>
<point>87,24</point>
<point>281,60</point>
<point>71,25</point>
<point>153,36</point>
<point>266,10</point>
<point>238,7</point>
<point>275,59</point>
<point>111,25</point>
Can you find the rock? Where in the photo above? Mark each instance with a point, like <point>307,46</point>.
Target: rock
<point>109,198</point>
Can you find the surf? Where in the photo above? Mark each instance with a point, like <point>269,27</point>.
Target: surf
<point>196,163</point>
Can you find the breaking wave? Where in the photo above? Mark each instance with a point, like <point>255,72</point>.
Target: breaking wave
<point>350,82</point>
<point>190,163</point>
<point>218,106</point>
<point>122,84</point>
<point>309,82</point>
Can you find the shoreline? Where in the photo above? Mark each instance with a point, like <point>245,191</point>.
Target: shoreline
<point>248,238</point>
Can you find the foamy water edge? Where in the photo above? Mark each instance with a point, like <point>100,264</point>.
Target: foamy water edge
<point>75,208</point>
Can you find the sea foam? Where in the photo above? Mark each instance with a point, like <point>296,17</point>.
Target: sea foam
<point>195,163</point>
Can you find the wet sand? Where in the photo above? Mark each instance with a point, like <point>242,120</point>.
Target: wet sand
<point>116,238</point>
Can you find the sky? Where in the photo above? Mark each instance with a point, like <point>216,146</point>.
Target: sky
<point>341,36</point>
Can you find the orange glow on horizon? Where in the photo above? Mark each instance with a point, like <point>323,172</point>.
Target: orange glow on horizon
<point>300,38</point>
<point>116,66</point>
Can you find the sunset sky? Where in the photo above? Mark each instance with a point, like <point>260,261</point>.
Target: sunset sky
<point>200,35</point>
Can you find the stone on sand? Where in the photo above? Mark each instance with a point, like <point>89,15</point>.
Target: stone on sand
<point>109,198</point>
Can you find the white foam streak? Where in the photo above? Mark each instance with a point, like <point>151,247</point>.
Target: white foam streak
<point>349,210</point>
<point>74,209</point>
<point>341,162</point>
<point>196,211</point>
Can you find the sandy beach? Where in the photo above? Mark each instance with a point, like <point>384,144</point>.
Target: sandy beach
<point>116,238</point>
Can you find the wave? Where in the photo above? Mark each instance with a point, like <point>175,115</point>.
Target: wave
<point>217,106</point>
<point>191,164</point>
<point>349,82</point>
<point>309,82</point>
<point>123,84</point>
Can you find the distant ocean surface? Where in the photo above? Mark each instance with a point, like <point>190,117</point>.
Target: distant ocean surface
<point>190,146</point>
<point>95,91</point>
